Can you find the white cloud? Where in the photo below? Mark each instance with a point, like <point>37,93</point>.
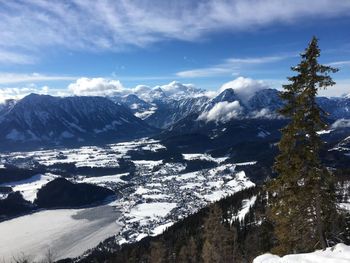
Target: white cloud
<point>221,112</point>
<point>114,25</point>
<point>7,78</point>
<point>206,72</point>
<point>229,66</point>
<point>9,57</point>
<point>265,114</point>
<point>342,87</point>
<point>178,89</point>
<point>244,87</point>
<point>341,123</point>
<point>96,87</point>
<point>20,92</point>
<point>340,63</point>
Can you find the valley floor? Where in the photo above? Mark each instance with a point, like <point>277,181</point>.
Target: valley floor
<point>63,232</point>
<point>154,195</point>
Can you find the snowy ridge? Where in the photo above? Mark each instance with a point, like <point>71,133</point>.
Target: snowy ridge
<point>43,119</point>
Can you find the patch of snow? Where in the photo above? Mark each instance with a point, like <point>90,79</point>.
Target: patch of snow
<point>160,229</point>
<point>245,163</point>
<point>190,185</point>
<point>139,237</point>
<point>141,190</point>
<point>150,211</point>
<point>324,132</point>
<point>29,187</point>
<point>215,195</point>
<point>204,157</point>
<point>194,175</point>
<point>65,232</point>
<point>344,206</point>
<point>103,180</point>
<point>246,204</point>
<point>148,163</point>
<point>340,253</point>
<point>145,114</point>
<point>155,196</point>
<point>263,134</point>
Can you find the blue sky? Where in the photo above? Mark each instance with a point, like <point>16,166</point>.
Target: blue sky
<point>51,44</point>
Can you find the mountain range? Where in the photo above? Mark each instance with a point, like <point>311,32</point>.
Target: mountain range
<point>173,109</point>
<point>42,120</point>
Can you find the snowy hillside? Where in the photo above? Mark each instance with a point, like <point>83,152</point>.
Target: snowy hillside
<point>340,253</point>
<point>163,106</point>
<point>43,119</point>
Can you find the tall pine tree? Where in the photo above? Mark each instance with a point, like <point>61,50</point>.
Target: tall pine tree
<point>302,197</point>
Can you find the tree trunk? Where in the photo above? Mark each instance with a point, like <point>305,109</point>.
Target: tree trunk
<point>319,222</point>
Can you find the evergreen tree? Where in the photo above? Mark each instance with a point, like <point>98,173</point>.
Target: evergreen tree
<point>302,197</point>
<point>218,239</point>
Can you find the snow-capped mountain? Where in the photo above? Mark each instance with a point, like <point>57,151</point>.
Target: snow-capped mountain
<point>139,107</point>
<point>43,119</point>
<point>265,99</point>
<point>170,111</point>
<point>164,105</point>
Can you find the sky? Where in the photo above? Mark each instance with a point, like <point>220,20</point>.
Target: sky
<point>48,46</point>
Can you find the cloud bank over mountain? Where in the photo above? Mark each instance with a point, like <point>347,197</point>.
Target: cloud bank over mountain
<point>222,112</point>
<point>95,87</point>
<point>244,87</point>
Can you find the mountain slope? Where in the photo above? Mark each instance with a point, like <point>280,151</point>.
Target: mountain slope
<point>40,120</point>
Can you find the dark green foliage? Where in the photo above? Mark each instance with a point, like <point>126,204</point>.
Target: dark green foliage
<point>206,236</point>
<point>302,197</point>
<point>14,205</point>
<point>62,193</point>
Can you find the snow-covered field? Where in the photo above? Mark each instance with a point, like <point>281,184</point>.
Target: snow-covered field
<point>157,194</point>
<point>63,232</point>
<point>87,156</point>
<point>340,253</point>
<point>30,187</point>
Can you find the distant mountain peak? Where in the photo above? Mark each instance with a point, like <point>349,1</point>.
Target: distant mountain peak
<point>54,120</point>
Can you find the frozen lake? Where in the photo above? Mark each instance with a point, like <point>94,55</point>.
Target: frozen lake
<point>65,232</point>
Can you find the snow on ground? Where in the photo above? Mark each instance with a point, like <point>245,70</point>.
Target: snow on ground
<point>245,163</point>
<point>340,253</point>
<point>102,180</point>
<point>344,206</point>
<point>204,157</point>
<point>154,147</point>
<point>147,163</point>
<point>246,205</point>
<point>65,232</point>
<point>324,132</point>
<point>190,185</point>
<point>145,114</point>
<point>141,190</point>
<point>89,156</point>
<point>29,187</point>
<point>150,211</point>
<point>263,134</point>
<point>160,229</point>
<point>194,175</point>
<point>215,196</point>
<point>240,181</point>
<point>156,194</point>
